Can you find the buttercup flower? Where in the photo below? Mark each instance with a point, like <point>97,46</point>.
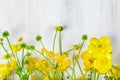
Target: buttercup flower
<point>4,69</point>
<point>16,47</point>
<point>98,54</point>
<point>105,60</point>
<point>12,65</point>
<point>88,60</point>
<point>100,45</point>
<point>43,50</point>
<point>42,65</point>
<point>51,53</point>
<point>63,62</point>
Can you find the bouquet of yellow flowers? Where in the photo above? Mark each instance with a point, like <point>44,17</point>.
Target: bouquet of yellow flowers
<point>51,65</point>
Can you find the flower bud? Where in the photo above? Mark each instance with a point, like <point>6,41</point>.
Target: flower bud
<point>59,28</point>
<point>76,47</point>
<point>38,38</point>
<point>23,45</point>
<point>84,37</point>
<point>1,40</point>
<point>5,34</point>
<point>20,39</point>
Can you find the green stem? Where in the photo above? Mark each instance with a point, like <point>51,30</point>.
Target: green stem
<point>5,51</point>
<point>42,44</point>
<point>60,43</point>
<point>94,75</point>
<point>79,53</point>
<point>23,58</point>
<point>84,75</point>
<point>57,74</point>
<point>68,50</point>
<point>7,77</point>
<point>54,40</point>
<point>43,56</point>
<point>68,74</point>
<point>62,78</point>
<point>98,77</point>
<point>73,72</point>
<point>10,47</point>
<point>17,59</point>
<point>81,46</point>
<point>80,67</point>
<point>90,74</point>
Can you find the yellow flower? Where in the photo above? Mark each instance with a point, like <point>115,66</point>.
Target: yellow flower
<point>88,60</point>
<point>16,47</point>
<point>103,60</point>
<point>96,61</point>
<point>51,53</point>
<point>82,78</point>
<point>1,78</point>
<point>32,60</point>
<point>43,66</point>
<point>4,69</point>
<point>30,66</point>
<point>100,45</point>
<point>37,64</point>
<point>30,63</point>
<point>46,78</point>
<point>12,65</point>
<point>40,65</point>
<point>98,54</point>
<point>63,62</point>
<point>79,78</point>
<point>43,50</point>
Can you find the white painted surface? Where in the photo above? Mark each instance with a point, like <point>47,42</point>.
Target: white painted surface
<point>32,17</point>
